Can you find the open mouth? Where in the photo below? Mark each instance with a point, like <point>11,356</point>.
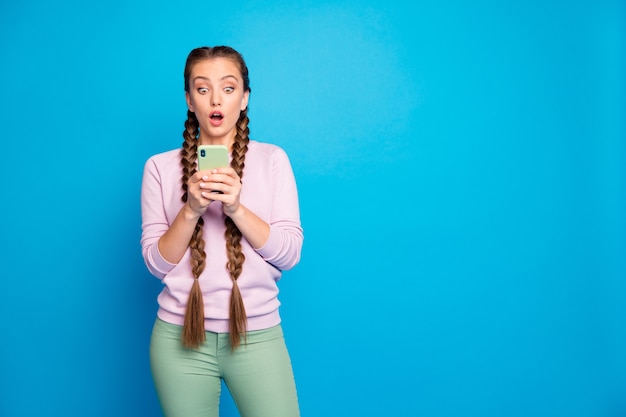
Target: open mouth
<point>217,116</point>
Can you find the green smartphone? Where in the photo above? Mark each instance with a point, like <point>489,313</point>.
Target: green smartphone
<point>212,156</point>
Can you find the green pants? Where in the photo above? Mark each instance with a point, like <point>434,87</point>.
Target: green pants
<point>258,374</point>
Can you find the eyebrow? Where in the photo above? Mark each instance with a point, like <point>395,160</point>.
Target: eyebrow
<point>200,77</point>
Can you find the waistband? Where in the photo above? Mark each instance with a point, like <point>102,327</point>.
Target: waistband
<point>222,326</point>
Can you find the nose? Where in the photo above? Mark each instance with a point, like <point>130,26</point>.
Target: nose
<point>215,99</point>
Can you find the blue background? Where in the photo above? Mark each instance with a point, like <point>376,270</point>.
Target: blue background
<point>462,170</point>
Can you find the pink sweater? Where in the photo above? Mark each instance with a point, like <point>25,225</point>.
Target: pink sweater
<point>269,190</point>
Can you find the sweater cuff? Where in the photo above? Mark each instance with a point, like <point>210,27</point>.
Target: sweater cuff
<point>272,244</point>
<point>160,265</point>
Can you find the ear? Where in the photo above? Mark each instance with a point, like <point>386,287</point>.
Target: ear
<point>188,100</point>
<point>244,100</point>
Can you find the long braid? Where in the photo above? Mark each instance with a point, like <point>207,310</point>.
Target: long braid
<point>193,328</point>
<point>238,321</point>
<point>189,149</point>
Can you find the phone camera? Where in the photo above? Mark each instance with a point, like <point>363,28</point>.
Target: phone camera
<point>202,153</point>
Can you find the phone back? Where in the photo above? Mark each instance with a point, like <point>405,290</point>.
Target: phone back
<point>212,156</point>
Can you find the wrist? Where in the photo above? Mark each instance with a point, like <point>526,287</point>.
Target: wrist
<point>190,214</point>
<point>236,214</point>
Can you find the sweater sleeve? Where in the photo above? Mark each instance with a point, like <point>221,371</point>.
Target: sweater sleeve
<point>284,245</point>
<point>154,220</point>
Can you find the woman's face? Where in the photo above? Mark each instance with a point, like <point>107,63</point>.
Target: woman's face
<point>217,97</point>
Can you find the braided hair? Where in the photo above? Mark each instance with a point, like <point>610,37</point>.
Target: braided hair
<point>193,328</point>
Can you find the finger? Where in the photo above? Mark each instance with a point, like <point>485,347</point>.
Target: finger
<point>197,177</point>
<point>226,172</point>
<point>229,180</point>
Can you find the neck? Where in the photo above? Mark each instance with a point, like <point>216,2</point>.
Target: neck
<point>218,140</point>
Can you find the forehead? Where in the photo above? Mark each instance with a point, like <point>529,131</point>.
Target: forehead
<point>215,69</point>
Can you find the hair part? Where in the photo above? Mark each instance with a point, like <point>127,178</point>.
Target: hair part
<point>193,329</point>
<point>206,52</point>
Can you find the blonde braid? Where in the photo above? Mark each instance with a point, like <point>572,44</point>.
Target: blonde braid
<point>238,322</point>
<point>193,328</point>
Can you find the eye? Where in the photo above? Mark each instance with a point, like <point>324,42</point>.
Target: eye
<point>203,90</point>
<point>229,89</point>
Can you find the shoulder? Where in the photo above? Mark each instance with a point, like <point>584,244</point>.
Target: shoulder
<point>267,160</point>
<point>265,150</point>
<point>167,160</point>
<point>166,157</point>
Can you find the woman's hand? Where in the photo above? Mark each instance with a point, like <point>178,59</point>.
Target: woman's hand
<point>224,185</point>
<point>175,241</point>
<point>197,188</point>
<point>220,184</point>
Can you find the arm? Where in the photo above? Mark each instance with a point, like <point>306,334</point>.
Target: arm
<point>165,240</point>
<point>175,241</point>
<point>254,229</point>
<point>277,237</point>
<point>154,221</point>
<point>283,245</point>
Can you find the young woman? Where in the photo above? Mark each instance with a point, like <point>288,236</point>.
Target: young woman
<point>219,239</point>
